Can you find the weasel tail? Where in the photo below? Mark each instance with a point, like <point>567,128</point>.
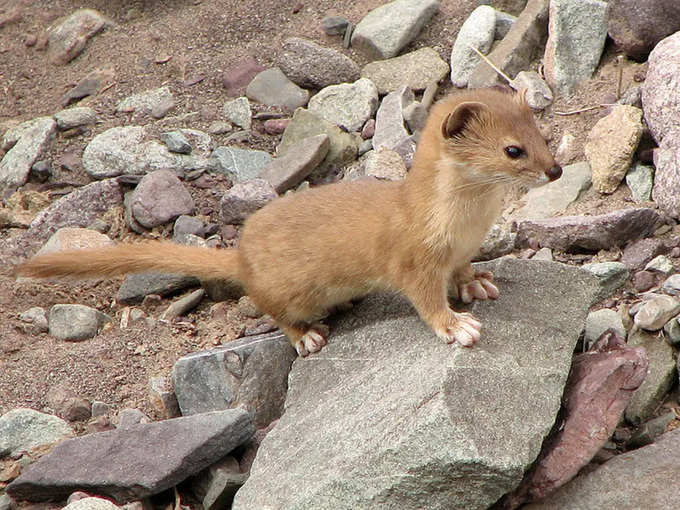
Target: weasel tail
<point>168,257</point>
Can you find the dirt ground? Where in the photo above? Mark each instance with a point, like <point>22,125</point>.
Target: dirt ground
<point>197,40</point>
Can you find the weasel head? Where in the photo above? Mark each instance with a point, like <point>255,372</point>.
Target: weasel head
<point>490,137</point>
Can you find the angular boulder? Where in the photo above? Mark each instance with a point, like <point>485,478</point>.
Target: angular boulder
<point>389,416</point>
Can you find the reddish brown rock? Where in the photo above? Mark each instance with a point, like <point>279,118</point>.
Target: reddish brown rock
<point>599,388</point>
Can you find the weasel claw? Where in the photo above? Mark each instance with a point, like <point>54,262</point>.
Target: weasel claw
<point>313,340</point>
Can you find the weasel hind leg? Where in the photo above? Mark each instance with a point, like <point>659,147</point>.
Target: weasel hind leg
<point>306,339</point>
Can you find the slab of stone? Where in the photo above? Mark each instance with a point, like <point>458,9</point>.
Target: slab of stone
<point>343,146</point>
<point>23,429</point>
<point>636,26</point>
<point>137,462</point>
<point>522,44</point>
<point>640,181</point>
<point>477,32</point>
<point>387,29</point>
<point>25,144</point>
<point>311,65</point>
<point>612,276</point>
<point>68,39</point>
<point>602,232</point>
<point>390,130</point>
<point>77,209</point>
<point>154,102</point>
<point>251,372</point>
<point>643,478</point>
<point>386,387</point>
<point>273,88</point>
<point>555,197</point>
<point>349,105</point>
<point>160,197</point>
<point>139,285</point>
<point>611,145</point>
<point>244,198</point>
<point>241,164</point>
<point>290,169</point>
<point>577,32</point>
<point>659,380</point>
<point>416,70</point>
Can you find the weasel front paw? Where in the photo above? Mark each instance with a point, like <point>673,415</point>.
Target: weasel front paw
<point>313,340</point>
<point>479,288</point>
<point>460,327</point>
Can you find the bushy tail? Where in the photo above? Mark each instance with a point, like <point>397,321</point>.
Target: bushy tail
<point>206,263</point>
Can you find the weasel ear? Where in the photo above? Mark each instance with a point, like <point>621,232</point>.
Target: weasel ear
<point>456,121</point>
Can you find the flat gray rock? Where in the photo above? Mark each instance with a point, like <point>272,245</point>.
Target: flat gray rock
<point>137,462</point>
<point>241,164</point>
<point>273,88</point>
<point>578,29</point>
<point>25,144</point>
<point>23,429</point>
<point>251,372</point>
<point>477,32</point>
<point>136,286</point>
<point>349,105</point>
<point>384,31</point>
<point>643,478</point>
<point>388,416</point>
<point>311,65</point>
<point>416,70</point>
<point>555,197</point>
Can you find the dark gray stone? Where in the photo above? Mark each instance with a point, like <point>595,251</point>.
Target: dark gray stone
<point>137,286</point>
<point>137,462</point>
<point>251,372</point>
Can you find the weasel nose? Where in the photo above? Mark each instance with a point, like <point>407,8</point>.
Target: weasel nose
<point>554,173</point>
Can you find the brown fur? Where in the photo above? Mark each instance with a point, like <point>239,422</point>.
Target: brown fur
<point>304,253</point>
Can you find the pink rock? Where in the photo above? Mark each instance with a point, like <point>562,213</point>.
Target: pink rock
<point>237,78</point>
<point>275,126</point>
<point>600,385</point>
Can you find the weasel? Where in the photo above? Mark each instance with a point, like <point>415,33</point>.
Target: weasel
<point>304,253</point>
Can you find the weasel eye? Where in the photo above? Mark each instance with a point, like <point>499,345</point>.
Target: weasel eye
<point>513,151</point>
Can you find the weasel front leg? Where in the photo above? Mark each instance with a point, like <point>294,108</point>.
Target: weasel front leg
<point>428,295</point>
<point>467,284</point>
